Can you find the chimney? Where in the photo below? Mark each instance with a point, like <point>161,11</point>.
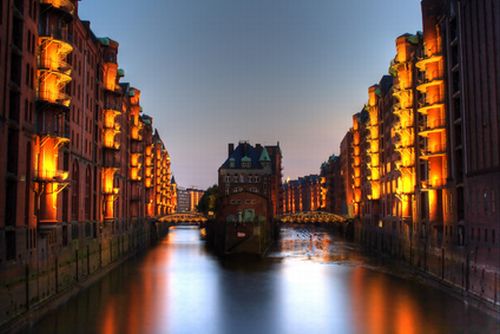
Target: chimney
<point>258,146</point>
<point>230,149</point>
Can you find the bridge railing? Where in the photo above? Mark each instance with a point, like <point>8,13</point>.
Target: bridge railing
<point>312,217</point>
<point>183,218</point>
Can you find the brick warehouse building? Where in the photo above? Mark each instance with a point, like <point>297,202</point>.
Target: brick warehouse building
<point>424,156</point>
<point>304,194</point>
<point>249,189</point>
<point>84,171</point>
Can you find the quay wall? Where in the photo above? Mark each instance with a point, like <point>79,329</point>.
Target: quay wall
<point>468,272</point>
<point>51,273</point>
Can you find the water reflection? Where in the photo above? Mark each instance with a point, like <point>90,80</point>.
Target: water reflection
<point>313,282</point>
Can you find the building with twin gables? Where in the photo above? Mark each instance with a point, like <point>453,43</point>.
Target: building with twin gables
<point>420,167</point>
<point>249,198</point>
<point>83,168</point>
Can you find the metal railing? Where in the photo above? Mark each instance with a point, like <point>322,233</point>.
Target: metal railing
<point>50,175</point>
<point>61,98</point>
<point>58,128</point>
<point>66,5</point>
<point>433,183</point>
<point>57,34</point>
<point>432,124</point>
<point>54,64</point>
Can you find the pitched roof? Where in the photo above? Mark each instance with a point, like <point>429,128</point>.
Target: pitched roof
<point>247,153</point>
<point>246,158</point>
<point>264,156</point>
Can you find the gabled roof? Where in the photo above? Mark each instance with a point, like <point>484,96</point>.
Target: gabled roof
<point>245,152</point>
<point>106,41</point>
<point>147,119</point>
<point>264,156</point>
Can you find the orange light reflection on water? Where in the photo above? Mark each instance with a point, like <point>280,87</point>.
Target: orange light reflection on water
<point>148,298</point>
<point>373,311</point>
<point>109,325</point>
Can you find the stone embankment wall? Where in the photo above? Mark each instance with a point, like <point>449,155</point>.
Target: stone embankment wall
<point>52,273</point>
<point>467,271</point>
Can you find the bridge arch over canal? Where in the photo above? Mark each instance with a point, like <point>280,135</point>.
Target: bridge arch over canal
<point>184,218</point>
<point>312,217</point>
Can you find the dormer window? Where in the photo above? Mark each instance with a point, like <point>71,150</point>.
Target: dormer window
<point>232,163</point>
<point>246,162</point>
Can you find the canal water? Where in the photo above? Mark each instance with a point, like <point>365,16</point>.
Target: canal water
<point>313,282</point>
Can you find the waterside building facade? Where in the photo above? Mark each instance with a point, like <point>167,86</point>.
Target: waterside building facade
<point>250,192</point>
<point>84,173</point>
<point>420,167</point>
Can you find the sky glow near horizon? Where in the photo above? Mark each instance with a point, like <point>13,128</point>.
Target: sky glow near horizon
<point>217,71</point>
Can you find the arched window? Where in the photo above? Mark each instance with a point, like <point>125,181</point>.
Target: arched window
<point>87,193</point>
<point>75,191</point>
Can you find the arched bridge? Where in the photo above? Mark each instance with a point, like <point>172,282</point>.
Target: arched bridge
<point>184,218</point>
<point>311,217</point>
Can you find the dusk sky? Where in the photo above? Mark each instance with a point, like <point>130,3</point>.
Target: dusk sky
<point>217,71</point>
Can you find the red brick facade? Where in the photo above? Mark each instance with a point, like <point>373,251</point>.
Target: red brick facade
<point>82,165</point>
<point>307,193</point>
<point>249,198</point>
<point>424,157</point>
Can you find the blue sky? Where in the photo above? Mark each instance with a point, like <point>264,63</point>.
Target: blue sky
<point>217,71</point>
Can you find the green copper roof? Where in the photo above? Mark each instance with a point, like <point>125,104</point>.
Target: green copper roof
<point>413,39</point>
<point>131,92</point>
<point>264,156</point>
<point>246,159</point>
<point>121,72</point>
<point>104,41</point>
<point>147,119</point>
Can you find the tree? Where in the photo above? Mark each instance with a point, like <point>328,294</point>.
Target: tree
<point>208,201</point>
